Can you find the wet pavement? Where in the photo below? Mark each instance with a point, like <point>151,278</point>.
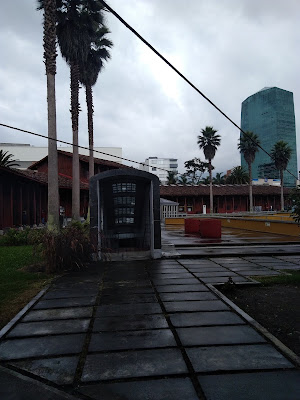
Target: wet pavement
<point>152,330</point>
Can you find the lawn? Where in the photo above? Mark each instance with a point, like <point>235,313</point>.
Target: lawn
<point>17,287</point>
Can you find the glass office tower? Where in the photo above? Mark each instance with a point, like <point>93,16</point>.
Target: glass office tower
<point>270,114</point>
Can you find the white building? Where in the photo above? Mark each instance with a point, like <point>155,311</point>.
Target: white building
<point>25,154</point>
<point>160,167</point>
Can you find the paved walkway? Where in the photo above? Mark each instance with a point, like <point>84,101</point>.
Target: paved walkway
<point>151,331</point>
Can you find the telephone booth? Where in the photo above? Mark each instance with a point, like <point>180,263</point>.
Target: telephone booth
<point>125,214</point>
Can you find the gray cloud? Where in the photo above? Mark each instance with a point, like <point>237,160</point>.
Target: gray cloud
<point>229,50</point>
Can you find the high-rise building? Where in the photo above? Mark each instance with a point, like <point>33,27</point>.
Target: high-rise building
<point>269,113</point>
<point>160,167</point>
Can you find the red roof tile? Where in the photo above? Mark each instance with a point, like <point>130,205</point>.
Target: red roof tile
<point>219,190</point>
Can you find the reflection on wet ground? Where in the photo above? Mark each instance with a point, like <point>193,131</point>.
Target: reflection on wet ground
<point>175,234</point>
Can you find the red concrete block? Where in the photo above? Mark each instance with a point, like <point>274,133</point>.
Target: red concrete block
<point>192,225</point>
<point>210,228</point>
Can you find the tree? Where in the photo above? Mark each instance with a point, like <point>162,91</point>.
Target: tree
<point>209,141</point>
<point>249,145</point>
<point>281,153</point>
<point>6,160</point>
<point>77,22</point>
<point>238,176</point>
<point>89,72</point>
<point>195,169</point>
<point>183,179</point>
<point>171,178</point>
<point>219,178</point>
<point>50,55</point>
<point>295,199</point>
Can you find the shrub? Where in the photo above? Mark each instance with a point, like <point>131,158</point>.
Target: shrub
<point>16,237</point>
<point>67,249</point>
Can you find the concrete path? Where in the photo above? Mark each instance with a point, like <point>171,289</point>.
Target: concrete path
<point>151,330</point>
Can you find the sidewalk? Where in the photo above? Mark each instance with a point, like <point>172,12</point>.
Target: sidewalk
<point>151,330</point>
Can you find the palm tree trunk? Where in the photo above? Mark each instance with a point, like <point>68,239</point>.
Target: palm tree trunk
<point>281,184</point>
<point>50,63</point>
<point>90,112</point>
<point>250,188</point>
<point>74,70</point>
<point>53,192</point>
<point>210,188</point>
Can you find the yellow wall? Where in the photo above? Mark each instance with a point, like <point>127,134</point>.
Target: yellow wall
<point>279,227</point>
<point>270,225</point>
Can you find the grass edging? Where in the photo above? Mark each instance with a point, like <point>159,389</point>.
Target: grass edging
<point>276,342</point>
<point>20,314</point>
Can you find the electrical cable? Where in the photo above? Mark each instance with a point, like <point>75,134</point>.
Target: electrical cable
<point>81,147</point>
<point>184,77</point>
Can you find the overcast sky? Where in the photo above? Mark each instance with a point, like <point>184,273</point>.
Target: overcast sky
<point>228,49</point>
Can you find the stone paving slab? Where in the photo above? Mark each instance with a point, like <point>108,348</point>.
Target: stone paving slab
<point>158,389</point>
<point>224,279</point>
<point>215,274</point>
<point>204,336</point>
<point>279,385</point>
<point>128,340</point>
<point>131,364</point>
<point>130,322</point>
<point>42,346</point>
<point>60,370</point>
<point>256,272</point>
<point>49,328</point>
<point>126,284</point>
<point>188,296</point>
<point>205,318</point>
<point>132,290</point>
<point>207,269</point>
<point>186,281</point>
<point>60,294</point>
<point>295,267</point>
<point>204,305</point>
<point>63,303</point>
<point>237,358</point>
<point>168,273</point>
<point>159,276</point>
<point>127,299</point>
<point>128,309</point>
<point>182,288</point>
<point>252,267</point>
<point>58,313</point>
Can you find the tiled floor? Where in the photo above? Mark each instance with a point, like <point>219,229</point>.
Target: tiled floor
<point>151,330</point>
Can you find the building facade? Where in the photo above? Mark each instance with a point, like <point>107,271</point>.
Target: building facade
<point>160,167</point>
<point>25,154</point>
<point>269,113</point>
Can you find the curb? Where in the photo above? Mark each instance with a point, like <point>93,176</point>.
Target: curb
<point>20,314</point>
<point>276,342</point>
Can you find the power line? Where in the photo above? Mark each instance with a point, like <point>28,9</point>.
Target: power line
<point>183,77</point>
<point>81,147</point>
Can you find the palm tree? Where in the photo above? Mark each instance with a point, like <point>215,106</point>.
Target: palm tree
<point>171,178</point>
<point>249,145</point>
<point>219,178</point>
<point>281,153</point>
<point>238,176</point>
<point>50,54</point>
<point>208,141</point>
<point>88,77</point>
<point>6,160</point>
<point>77,23</point>
<point>183,179</point>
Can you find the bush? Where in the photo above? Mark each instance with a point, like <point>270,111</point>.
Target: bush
<point>16,237</point>
<point>67,249</point>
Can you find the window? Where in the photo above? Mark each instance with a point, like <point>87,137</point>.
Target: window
<point>124,220</point>
<point>128,200</point>
<point>123,187</point>
<point>124,211</point>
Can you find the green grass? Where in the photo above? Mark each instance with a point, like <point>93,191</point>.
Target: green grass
<point>17,286</point>
<point>293,278</point>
